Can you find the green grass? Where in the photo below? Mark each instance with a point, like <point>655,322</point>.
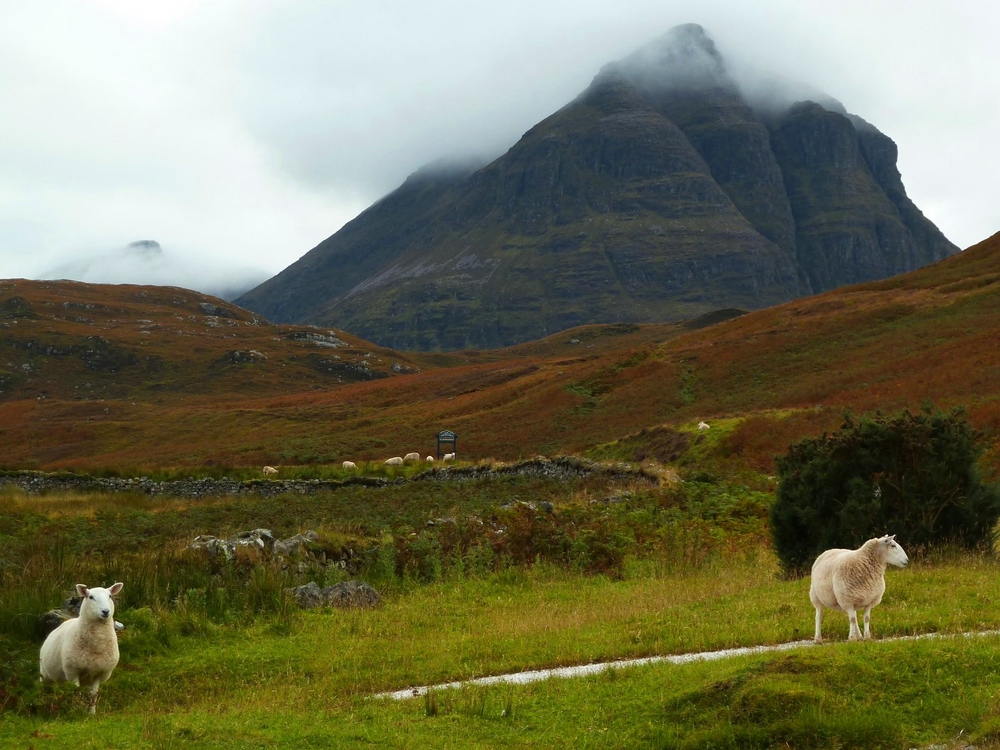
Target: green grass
<point>215,656</point>
<point>311,685</point>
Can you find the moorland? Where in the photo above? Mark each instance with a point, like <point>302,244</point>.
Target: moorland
<point>649,537</point>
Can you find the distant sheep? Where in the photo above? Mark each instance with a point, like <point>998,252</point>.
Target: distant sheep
<point>84,649</point>
<point>449,457</point>
<point>268,470</point>
<point>350,466</point>
<point>703,426</point>
<point>430,459</point>
<point>849,580</point>
<point>394,461</point>
<point>411,457</point>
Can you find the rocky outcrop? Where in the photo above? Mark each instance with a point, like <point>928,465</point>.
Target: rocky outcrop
<point>346,594</point>
<point>663,192</point>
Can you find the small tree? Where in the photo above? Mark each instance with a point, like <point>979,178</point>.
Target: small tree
<point>913,475</point>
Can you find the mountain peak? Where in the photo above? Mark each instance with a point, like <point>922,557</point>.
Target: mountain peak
<point>684,57</point>
<point>678,183</point>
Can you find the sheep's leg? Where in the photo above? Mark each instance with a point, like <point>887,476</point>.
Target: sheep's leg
<point>855,633</point>
<point>819,624</point>
<point>93,697</point>
<point>868,617</point>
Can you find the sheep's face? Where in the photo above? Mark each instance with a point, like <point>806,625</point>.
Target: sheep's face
<point>97,603</point>
<point>894,554</point>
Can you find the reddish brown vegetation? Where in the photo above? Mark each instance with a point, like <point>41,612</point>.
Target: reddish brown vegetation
<point>933,334</point>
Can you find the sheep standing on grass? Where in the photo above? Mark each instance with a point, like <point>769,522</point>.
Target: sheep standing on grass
<point>268,471</point>
<point>394,461</point>
<point>851,579</point>
<point>449,457</point>
<point>350,466</point>
<point>84,649</point>
<point>411,457</point>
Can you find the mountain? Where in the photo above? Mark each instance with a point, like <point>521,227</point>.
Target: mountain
<point>664,191</point>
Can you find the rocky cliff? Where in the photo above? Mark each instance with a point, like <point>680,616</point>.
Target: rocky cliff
<point>662,192</point>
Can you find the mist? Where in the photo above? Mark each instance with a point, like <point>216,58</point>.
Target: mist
<point>146,262</point>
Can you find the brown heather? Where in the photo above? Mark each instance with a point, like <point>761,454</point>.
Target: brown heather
<point>175,397</point>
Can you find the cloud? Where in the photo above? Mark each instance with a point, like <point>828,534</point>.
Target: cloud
<point>145,262</point>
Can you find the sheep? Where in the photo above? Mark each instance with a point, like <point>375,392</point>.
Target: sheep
<point>703,426</point>
<point>449,457</point>
<point>84,649</point>
<point>394,461</point>
<point>430,459</point>
<point>267,470</point>
<point>411,457</point>
<point>350,466</point>
<point>849,580</point>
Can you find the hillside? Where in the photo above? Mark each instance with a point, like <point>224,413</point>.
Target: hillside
<point>931,334</point>
<point>660,193</point>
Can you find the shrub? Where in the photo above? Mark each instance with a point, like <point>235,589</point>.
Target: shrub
<point>913,475</point>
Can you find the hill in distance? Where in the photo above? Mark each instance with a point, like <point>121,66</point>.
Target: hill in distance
<point>662,192</point>
<point>616,391</point>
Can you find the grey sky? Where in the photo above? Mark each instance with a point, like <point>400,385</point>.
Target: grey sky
<point>240,133</point>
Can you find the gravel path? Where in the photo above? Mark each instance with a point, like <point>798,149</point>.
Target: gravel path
<point>522,678</point>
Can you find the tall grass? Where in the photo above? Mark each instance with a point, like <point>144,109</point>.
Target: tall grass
<point>56,541</point>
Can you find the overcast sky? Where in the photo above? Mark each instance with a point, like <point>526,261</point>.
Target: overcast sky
<point>240,133</point>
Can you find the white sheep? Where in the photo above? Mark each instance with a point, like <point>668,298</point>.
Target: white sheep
<point>267,470</point>
<point>703,426</point>
<point>411,457</point>
<point>848,580</point>
<point>430,459</point>
<point>84,649</point>
<point>350,466</point>
<point>394,461</point>
<point>448,457</point>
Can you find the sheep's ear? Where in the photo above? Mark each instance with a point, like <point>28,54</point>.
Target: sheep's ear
<point>81,590</point>
<point>116,588</point>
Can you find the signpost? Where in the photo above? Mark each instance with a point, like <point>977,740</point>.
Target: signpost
<point>446,438</point>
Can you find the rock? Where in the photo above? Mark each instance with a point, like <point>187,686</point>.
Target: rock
<point>50,621</point>
<point>347,594</point>
<point>294,546</point>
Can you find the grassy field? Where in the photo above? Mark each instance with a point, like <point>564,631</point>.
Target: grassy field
<point>216,657</point>
<point>309,682</point>
<point>483,573</point>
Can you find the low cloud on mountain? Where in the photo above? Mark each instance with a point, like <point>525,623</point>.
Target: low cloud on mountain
<point>146,262</point>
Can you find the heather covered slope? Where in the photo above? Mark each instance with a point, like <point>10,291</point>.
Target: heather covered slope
<point>931,334</point>
<point>68,340</point>
<point>661,193</point>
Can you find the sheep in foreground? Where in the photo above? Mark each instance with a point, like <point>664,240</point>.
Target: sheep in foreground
<point>268,470</point>
<point>411,457</point>
<point>448,457</point>
<point>350,466</point>
<point>851,579</point>
<point>84,649</point>
<point>394,461</point>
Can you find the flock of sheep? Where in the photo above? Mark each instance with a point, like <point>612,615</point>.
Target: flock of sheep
<point>394,461</point>
<point>84,649</point>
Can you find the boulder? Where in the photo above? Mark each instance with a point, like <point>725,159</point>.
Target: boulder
<point>346,594</point>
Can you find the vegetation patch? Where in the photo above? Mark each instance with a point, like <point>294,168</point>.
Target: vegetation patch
<point>914,475</point>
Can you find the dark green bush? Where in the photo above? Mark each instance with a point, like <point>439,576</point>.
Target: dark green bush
<point>913,475</point>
